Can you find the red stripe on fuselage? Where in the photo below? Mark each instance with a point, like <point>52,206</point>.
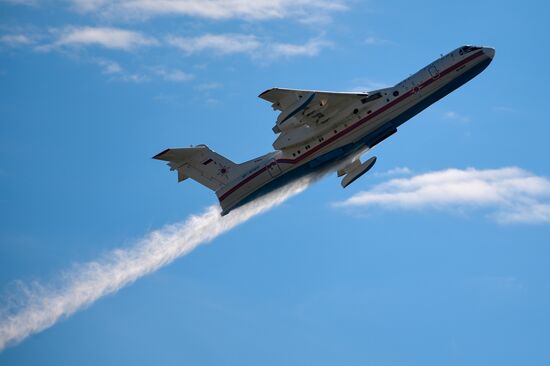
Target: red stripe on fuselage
<point>355,125</point>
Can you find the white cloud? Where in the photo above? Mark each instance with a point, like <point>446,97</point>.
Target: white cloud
<point>21,2</point>
<point>209,86</point>
<point>113,69</point>
<point>14,40</point>
<point>212,9</point>
<point>75,38</point>
<point>310,48</point>
<point>218,43</point>
<point>172,74</point>
<point>245,43</point>
<point>108,66</point>
<point>451,115</point>
<point>395,171</point>
<point>56,38</point>
<point>133,78</point>
<point>113,38</point>
<point>512,195</point>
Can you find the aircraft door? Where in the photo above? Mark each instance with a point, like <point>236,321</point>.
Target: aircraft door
<point>273,168</point>
<point>434,72</point>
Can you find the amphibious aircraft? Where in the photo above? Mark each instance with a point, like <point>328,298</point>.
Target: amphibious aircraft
<point>318,128</point>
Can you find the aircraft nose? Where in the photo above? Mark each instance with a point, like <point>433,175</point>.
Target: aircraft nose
<point>489,51</point>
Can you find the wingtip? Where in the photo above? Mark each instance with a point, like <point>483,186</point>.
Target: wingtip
<point>159,155</point>
<point>265,92</point>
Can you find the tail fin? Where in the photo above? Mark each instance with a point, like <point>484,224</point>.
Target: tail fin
<point>201,164</point>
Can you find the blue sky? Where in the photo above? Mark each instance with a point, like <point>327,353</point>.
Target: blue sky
<point>442,258</point>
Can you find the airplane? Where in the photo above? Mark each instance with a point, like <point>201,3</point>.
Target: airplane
<point>320,128</point>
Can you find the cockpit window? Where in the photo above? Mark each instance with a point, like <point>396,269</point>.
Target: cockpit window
<point>467,49</point>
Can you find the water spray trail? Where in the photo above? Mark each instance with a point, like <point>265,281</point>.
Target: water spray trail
<point>43,306</point>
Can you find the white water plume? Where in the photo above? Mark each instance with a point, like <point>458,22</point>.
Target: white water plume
<point>41,306</point>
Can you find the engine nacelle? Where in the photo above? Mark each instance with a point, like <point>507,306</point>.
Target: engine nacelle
<point>291,117</point>
<point>293,137</point>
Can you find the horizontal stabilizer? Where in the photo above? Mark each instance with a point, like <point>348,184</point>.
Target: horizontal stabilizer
<point>201,164</point>
<point>174,154</point>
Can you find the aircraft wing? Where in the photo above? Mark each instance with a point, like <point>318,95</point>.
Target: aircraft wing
<point>283,98</point>
<point>306,113</point>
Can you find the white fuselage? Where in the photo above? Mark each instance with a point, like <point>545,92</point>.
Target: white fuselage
<point>368,124</point>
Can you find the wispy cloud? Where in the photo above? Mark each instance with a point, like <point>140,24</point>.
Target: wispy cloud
<point>207,92</point>
<point>172,74</point>
<point>204,87</point>
<point>128,40</point>
<point>14,40</point>
<point>108,37</point>
<point>512,195</point>
<point>134,77</point>
<point>218,43</point>
<point>118,73</point>
<point>394,172</point>
<point>225,44</point>
<point>21,2</point>
<point>76,38</point>
<point>108,67</point>
<point>212,9</point>
<point>310,48</point>
<point>74,41</point>
<point>451,115</point>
